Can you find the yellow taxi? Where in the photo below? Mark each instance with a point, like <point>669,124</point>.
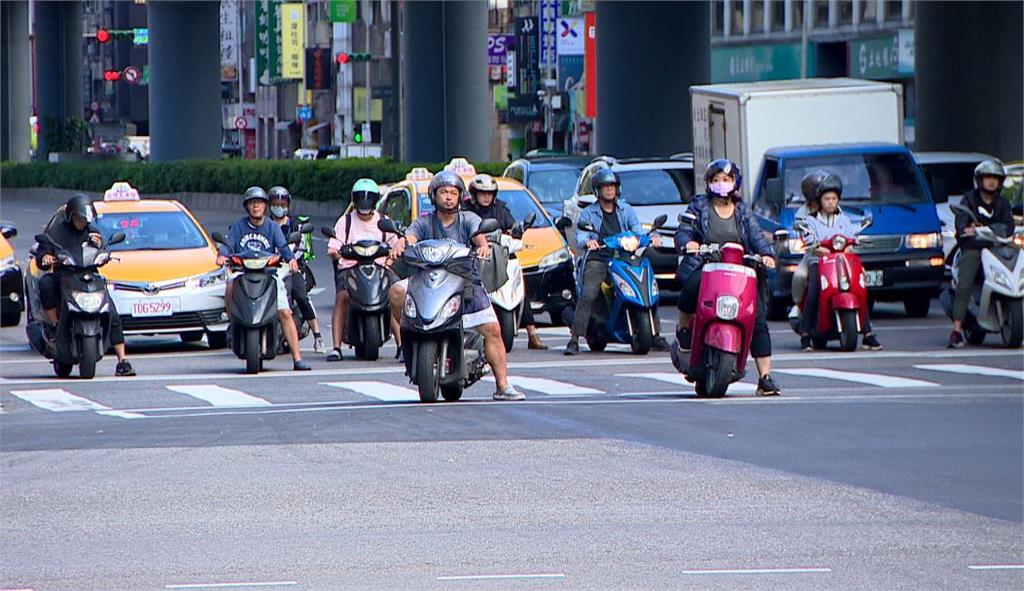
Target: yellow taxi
<point>546,261</point>
<point>12,298</point>
<point>164,278</point>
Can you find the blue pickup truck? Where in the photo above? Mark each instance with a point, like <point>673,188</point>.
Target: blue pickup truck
<point>904,260</point>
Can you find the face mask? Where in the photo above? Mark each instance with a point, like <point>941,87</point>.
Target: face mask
<point>279,212</point>
<point>365,211</point>
<point>722,188</point>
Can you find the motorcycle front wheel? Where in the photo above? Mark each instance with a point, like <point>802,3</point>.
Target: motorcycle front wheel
<point>428,374</point>
<point>252,351</point>
<point>721,366</point>
<point>90,354</point>
<point>507,322</point>
<point>643,334</point>
<point>848,330</point>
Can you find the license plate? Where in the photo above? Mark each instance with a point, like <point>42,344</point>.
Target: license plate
<point>154,307</point>
<point>873,278</point>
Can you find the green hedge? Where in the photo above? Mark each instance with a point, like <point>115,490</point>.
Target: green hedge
<point>316,180</point>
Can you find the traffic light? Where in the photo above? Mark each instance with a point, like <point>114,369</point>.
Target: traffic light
<point>343,58</point>
<point>357,137</point>
<point>102,35</point>
<point>111,75</point>
<point>360,57</point>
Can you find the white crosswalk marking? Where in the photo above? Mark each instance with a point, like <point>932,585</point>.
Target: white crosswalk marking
<point>57,400</point>
<point>549,387</point>
<point>975,370</point>
<point>677,379</point>
<point>219,396</point>
<point>379,390</point>
<point>871,379</point>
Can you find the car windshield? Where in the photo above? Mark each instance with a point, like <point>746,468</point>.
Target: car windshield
<point>657,186</point>
<point>168,230</point>
<point>521,204</point>
<point>875,179</point>
<point>951,178</point>
<point>553,186</point>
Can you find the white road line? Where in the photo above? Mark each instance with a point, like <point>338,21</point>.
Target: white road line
<point>549,387</point>
<point>219,396</point>
<point>872,379</point>
<point>756,571</point>
<point>229,585</point>
<point>974,370</point>
<point>500,577</point>
<point>678,380</point>
<point>996,567</point>
<point>56,400</point>
<point>379,390</point>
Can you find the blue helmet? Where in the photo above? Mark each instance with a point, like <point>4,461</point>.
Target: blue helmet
<point>603,177</point>
<point>728,167</point>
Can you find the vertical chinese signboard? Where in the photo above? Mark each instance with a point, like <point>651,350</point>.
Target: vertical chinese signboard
<point>293,40</point>
<point>268,28</point>
<point>228,40</point>
<point>525,106</point>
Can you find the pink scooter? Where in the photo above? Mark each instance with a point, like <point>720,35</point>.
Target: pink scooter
<point>723,324</point>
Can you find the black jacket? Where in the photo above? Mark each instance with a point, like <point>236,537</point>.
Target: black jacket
<point>754,241</point>
<point>998,212</point>
<point>498,211</point>
<point>65,235</point>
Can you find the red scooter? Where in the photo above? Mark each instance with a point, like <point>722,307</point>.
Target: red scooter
<point>723,324</point>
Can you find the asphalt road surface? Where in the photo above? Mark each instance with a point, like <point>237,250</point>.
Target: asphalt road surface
<point>875,470</point>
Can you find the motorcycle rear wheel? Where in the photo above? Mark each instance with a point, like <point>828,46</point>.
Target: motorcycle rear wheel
<point>62,370</point>
<point>1013,324</point>
<point>507,322</point>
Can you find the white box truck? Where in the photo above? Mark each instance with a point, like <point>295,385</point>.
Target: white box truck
<point>742,121</point>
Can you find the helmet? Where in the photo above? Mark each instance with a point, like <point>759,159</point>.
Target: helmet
<point>483,182</point>
<point>445,178</point>
<point>279,192</point>
<point>830,182</point>
<point>728,167</point>
<point>365,193</point>
<point>80,204</point>
<point>809,185</point>
<point>989,168</point>
<point>254,193</point>
<point>606,176</point>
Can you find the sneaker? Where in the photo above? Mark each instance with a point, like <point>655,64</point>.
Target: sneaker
<point>956,340</point>
<point>318,344</point>
<point>683,338</point>
<point>124,369</point>
<point>660,344</point>
<point>301,365</point>
<point>806,344</point>
<point>573,348</point>
<point>871,343</point>
<point>795,312</point>
<point>335,355</point>
<point>766,386</point>
<point>509,393</point>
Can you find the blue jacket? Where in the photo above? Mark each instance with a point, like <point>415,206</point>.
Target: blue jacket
<point>592,215</point>
<point>267,237</point>
<point>751,235</point>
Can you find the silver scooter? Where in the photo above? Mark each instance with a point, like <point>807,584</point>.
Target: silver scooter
<point>439,355</point>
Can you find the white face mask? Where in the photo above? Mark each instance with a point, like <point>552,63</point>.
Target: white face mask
<point>278,211</point>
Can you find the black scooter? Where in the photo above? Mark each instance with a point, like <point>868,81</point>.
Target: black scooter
<point>368,324</point>
<point>82,334</point>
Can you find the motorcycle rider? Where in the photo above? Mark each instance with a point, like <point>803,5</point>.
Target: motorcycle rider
<point>484,202</point>
<point>808,186</point>
<point>446,191</point>
<point>358,224</point>
<point>253,231</point>
<point>723,217</point>
<point>608,216</point>
<point>828,222</point>
<point>280,202</point>
<point>989,207</point>
<point>70,233</point>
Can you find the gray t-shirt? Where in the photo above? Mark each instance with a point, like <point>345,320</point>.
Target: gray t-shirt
<point>430,228</point>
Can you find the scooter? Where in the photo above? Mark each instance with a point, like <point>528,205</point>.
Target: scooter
<point>82,334</point>
<point>843,301</point>
<point>304,251</point>
<point>439,355</point>
<point>368,325</point>
<point>507,289</point>
<point>627,311</point>
<point>299,241</point>
<point>998,296</point>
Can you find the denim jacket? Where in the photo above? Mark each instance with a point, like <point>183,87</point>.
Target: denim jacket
<point>592,215</point>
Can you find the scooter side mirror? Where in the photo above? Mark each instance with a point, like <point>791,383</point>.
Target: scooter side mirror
<point>958,208</point>
<point>43,239</point>
<point>563,223</point>
<point>487,226</point>
<point>686,219</point>
<point>306,228</point>
<point>585,227</point>
<point>219,238</point>
<point>386,225</point>
<point>117,238</point>
<point>327,231</point>
<point>659,222</point>
<point>781,235</point>
<point>294,238</point>
<point>9,231</point>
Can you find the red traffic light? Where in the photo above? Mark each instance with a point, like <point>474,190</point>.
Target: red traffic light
<point>111,75</point>
<point>102,35</point>
<point>343,58</point>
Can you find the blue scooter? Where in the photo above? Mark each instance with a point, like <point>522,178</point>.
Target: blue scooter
<point>627,310</point>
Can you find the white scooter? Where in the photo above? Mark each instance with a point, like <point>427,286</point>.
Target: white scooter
<point>997,304</point>
<point>509,296</point>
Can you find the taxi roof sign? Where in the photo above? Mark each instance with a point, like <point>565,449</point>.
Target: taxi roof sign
<point>121,191</point>
<point>461,167</point>
<point>419,174</point>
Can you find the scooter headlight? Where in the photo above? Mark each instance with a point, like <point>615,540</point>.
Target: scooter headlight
<point>255,264</point>
<point>451,307</point>
<point>410,307</point>
<point>366,251</point>
<point>629,243</point>
<point>727,307</point>
<point>839,243</point>
<point>1001,279</point>
<point>88,301</point>
<point>624,287</point>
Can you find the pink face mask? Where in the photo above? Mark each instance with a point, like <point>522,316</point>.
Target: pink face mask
<point>722,188</point>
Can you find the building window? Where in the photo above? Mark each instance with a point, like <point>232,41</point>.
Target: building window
<point>736,23</point>
<point>718,17</point>
<point>868,11</point>
<point>893,10</point>
<point>798,14</point>
<point>845,12</point>
<point>820,14</point>
<point>757,16</point>
<point>778,9</point>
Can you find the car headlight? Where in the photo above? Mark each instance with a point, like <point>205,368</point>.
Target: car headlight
<point>919,241</point>
<point>629,243</point>
<point>88,301</point>
<point>451,307</point>
<point>410,307</point>
<point>624,287</point>
<point>206,279</point>
<point>1002,279</point>
<point>366,251</point>
<point>727,307</point>
<point>556,258</point>
<point>796,245</point>
<point>7,263</point>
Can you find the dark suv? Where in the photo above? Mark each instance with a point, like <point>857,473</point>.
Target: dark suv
<point>550,179</point>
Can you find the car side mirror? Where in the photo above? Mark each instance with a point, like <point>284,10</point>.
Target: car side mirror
<point>773,193</point>
<point>117,238</point>
<point>327,232</point>
<point>9,231</point>
<point>659,222</point>
<point>563,223</point>
<point>530,219</point>
<point>487,226</point>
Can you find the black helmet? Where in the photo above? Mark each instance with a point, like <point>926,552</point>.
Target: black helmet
<point>278,192</point>
<point>603,177</point>
<point>254,193</point>
<point>80,204</point>
<point>830,182</point>
<point>809,185</point>
<point>728,167</point>
<point>989,168</point>
<point>445,178</point>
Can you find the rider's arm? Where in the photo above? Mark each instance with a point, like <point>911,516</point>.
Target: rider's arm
<point>584,236</point>
<point>281,244</point>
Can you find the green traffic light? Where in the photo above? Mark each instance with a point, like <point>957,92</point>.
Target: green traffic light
<point>357,137</point>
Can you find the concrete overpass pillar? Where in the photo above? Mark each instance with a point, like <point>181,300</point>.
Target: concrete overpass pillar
<point>58,62</point>
<point>16,80</point>
<point>968,64</point>
<point>648,56</point>
<point>184,81</point>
